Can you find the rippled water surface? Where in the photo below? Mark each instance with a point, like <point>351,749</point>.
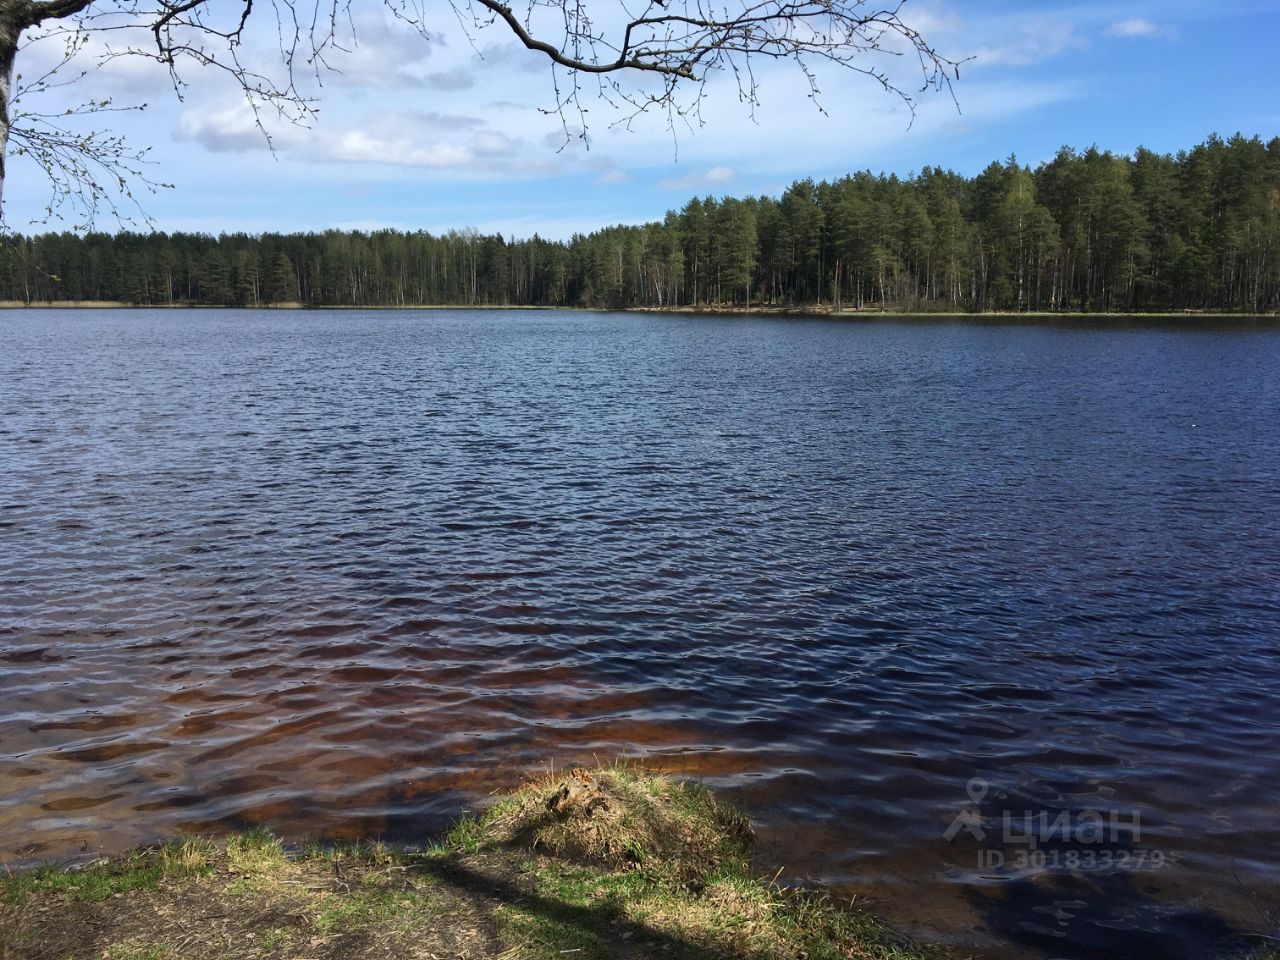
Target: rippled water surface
<point>347,572</point>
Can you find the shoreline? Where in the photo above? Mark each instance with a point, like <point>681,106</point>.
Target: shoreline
<point>122,305</point>
<point>594,864</point>
<point>812,311</point>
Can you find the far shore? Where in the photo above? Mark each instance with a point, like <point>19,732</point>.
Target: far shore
<point>122,305</point>
<point>766,310</point>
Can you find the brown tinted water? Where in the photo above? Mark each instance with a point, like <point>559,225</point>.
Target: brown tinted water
<point>347,573</point>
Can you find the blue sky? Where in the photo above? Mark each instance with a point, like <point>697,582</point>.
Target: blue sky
<point>448,132</point>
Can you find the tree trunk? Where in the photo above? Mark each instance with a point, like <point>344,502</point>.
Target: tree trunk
<point>10,28</point>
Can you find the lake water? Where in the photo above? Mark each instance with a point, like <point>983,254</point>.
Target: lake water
<point>347,572</point>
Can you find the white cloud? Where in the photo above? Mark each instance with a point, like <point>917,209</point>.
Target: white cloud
<point>718,174</point>
<point>1035,41</point>
<point>493,143</point>
<point>452,80</point>
<point>517,105</point>
<point>416,115</point>
<point>130,80</point>
<point>428,140</point>
<point>382,54</point>
<point>1136,27</point>
<point>232,129</point>
<point>391,138</point>
<point>499,57</point>
<point>359,146</point>
<point>424,122</point>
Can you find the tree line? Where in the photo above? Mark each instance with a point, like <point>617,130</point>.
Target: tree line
<point>1086,231</point>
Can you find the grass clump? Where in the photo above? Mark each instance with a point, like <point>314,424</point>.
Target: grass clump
<point>617,817</point>
<point>613,856</point>
<point>256,853</point>
<point>595,864</point>
<point>467,835</point>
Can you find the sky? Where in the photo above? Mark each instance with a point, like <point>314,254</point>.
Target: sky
<point>453,131</point>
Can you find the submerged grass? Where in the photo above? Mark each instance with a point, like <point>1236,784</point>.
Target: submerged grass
<point>610,862</point>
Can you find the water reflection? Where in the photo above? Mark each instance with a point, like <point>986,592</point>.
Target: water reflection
<point>349,573</point>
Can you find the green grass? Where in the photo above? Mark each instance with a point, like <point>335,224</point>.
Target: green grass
<point>541,934</point>
<point>362,908</point>
<point>141,870</point>
<point>275,939</point>
<point>468,835</point>
<point>620,858</point>
<point>645,858</point>
<point>256,852</point>
<point>584,887</point>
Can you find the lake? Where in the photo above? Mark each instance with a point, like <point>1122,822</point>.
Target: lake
<point>979,620</point>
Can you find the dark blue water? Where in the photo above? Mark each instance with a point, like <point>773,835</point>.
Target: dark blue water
<point>347,572</point>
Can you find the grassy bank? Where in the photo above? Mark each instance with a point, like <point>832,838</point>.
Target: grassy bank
<point>599,864</point>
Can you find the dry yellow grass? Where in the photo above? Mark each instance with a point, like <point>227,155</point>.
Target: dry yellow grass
<point>618,817</point>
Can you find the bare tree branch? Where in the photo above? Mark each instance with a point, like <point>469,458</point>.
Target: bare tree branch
<point>658,58</point>
<point>87,172</point>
